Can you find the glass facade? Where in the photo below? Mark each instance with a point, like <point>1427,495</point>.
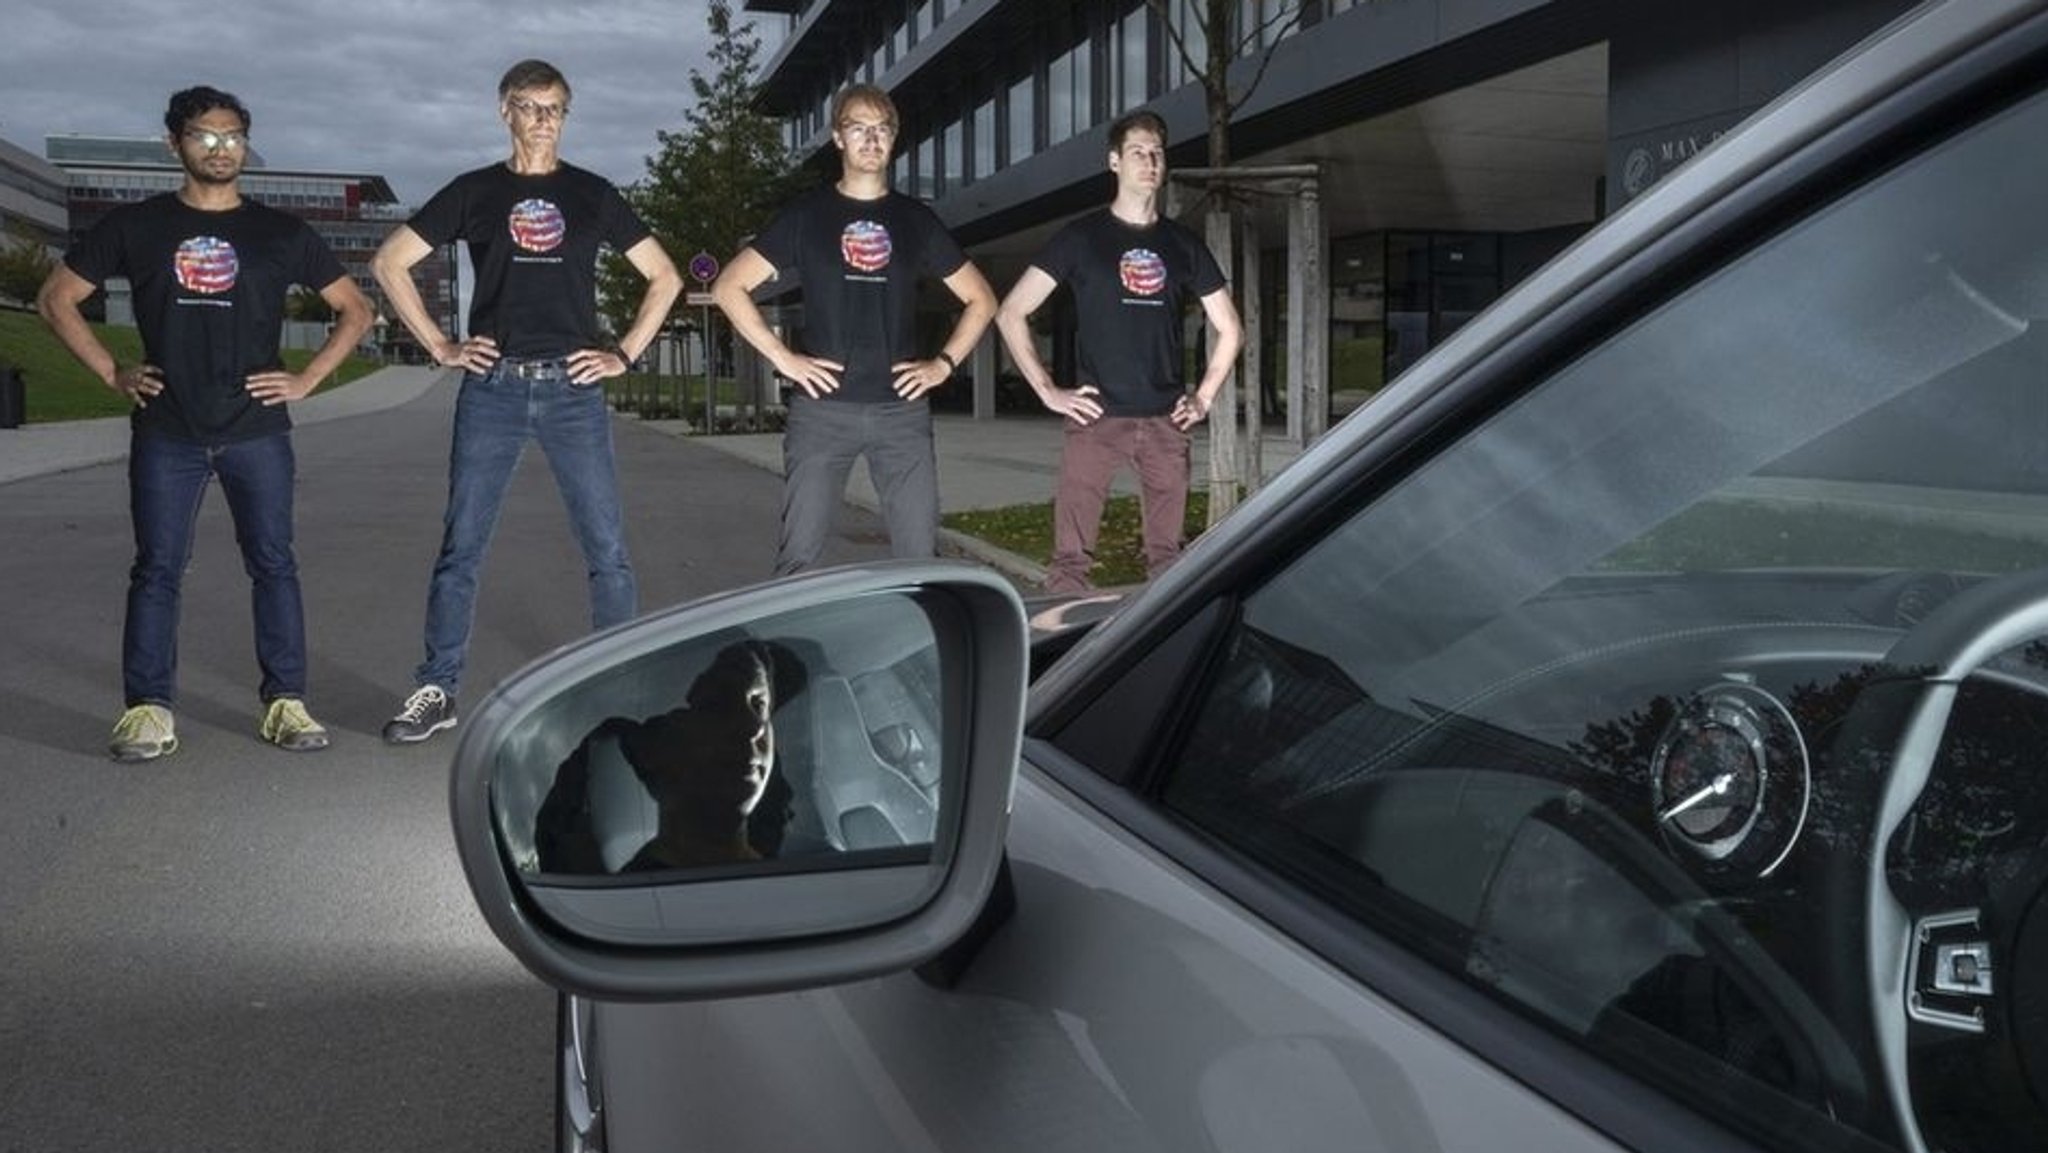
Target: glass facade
<point>1084,64</point>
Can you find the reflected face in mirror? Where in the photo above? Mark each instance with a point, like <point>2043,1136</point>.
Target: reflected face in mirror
<point>708,762</point>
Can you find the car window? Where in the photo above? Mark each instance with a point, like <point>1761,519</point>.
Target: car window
<point>1616,710</point>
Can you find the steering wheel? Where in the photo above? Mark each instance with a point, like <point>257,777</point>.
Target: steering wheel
<point>1884,756</point>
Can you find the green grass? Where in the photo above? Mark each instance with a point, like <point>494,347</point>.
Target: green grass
<point>1026,529</point>
<point>57,387</point>
<point>667,397</point>
<point>1741,535</point>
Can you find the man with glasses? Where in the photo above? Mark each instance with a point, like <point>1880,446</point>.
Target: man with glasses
<point>532,364</point>
<point>859,251</point>
<point>1132,272</point>
<point>209,271</point>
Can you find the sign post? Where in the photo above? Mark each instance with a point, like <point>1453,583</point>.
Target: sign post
<point>704,269</point>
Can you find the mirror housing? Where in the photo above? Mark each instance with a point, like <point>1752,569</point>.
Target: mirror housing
<point>860,906</point>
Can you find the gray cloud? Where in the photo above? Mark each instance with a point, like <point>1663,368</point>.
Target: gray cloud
<point>403,88</point>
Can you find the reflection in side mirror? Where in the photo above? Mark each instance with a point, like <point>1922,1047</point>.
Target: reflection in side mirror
<point>793,785</point>
<point>802,742</point>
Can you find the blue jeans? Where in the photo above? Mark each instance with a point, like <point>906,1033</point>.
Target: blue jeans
<point>495,414</point>
<point>818,450</point>
<point>166,482</point>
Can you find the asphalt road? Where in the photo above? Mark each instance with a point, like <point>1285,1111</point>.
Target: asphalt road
<point>239,948</point>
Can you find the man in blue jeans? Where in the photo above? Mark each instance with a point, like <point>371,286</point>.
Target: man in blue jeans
<point>532,364</point>
<point>859,250</point>
<point>210,271</point>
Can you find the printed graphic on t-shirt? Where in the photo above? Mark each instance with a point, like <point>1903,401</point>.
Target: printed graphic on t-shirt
<point>866,248</point>
<point>207,265</point>
<point>1143,274</point>
<point>537,226</point>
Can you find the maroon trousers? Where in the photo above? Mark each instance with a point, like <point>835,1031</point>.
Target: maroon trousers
<point>1089,461</point>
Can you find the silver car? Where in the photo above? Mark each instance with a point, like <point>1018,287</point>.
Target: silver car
<point>1630,730</point>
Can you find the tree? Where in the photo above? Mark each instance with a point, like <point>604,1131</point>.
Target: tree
<point>716,182</point>
<point>24,265</point>
<point>1209,36</point>
<point>305,304</point>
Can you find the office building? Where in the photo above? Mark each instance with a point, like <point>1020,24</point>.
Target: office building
<point>1458,144</point>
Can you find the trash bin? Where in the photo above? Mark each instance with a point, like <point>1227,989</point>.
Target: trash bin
<point>13,397</point>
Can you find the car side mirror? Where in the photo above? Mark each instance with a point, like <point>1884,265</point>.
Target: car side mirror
<point>798,784</point>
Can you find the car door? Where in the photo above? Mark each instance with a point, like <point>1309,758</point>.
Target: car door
<point>1621,734</point>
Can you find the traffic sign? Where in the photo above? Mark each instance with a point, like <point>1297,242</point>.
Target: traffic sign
<point>704,267</point>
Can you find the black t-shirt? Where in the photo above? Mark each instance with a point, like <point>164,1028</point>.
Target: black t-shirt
<point>533,241</point>
<point>1131,283</point>
<point>209,301</point>
<point>859,262</point>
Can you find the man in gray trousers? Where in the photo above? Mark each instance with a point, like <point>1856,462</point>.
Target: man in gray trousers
<point>858,250</point>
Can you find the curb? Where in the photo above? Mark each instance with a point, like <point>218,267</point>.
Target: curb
<point>1018,568</point>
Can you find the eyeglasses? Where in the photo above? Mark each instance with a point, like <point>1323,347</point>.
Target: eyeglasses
<point>856,130</point>
<point>216,141</point>
<point>535,110</point>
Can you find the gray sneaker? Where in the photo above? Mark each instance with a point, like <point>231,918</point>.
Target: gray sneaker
<point>144,733</point>
<point>426,712</point>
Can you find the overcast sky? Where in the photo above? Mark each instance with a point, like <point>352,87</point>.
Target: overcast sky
<point>402,88</point>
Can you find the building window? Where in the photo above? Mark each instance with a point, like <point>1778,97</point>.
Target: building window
<point>1023,120</point>
<point>952,157</point>
<point>1192,43</point>
<point>1130,79</point>
<point>1278,19</point>
<point>1068,108</point>
<point>984,140</point>
<point>925,169</point>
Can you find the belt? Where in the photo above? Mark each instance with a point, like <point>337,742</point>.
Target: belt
<point>536,369</point>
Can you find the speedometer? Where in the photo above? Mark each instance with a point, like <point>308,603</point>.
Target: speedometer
<point>1729,781</point>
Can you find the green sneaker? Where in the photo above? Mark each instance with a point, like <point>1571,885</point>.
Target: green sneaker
<point>287,725</point>
<point>144,733</point>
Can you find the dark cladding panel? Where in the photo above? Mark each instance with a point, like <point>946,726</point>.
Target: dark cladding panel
<point>1681,76</point>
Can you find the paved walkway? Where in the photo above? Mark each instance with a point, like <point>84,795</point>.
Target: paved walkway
<point>995,463</point>
<point>1009,460</point>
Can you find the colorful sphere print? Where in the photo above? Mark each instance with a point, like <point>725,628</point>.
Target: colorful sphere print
<point>865,246</point>
<point>1142,272</point>
<point>207,264</point>
<point>537,226</point>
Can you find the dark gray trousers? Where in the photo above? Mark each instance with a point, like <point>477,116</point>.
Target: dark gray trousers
<point>818,450</point>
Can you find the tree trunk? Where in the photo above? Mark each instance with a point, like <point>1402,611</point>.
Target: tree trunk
<point>1223,413</point>
<point>1251,299</point>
